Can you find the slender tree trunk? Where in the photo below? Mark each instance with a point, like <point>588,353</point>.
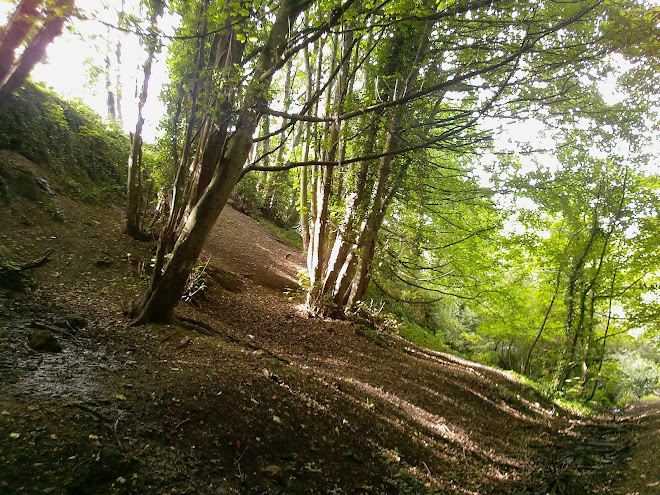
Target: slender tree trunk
<point>347,268</point>
<point>318,254</point>
<point>165,291</point>
<point>109,94</point>
<point>307,208</point>
<point>605,336</point>
<point>135,155</point>
<point>573,327</point>
<point>178,204</point>
<point>118,85</point>
<point>304,203</point>
<point>528,357</point>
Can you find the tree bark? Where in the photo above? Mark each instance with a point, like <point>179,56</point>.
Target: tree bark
<point>15,33</point>
<point>166,290</point>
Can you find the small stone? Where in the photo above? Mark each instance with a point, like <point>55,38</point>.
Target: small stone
<point>44,341</point>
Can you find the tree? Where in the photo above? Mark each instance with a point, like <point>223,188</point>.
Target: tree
<point>35,29</point>
<point>225,141</point>
<point>133,189</point>
<point>489,83</point>
<point>421,78</point>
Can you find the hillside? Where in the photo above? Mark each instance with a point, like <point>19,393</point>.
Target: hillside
<point>259,397</point>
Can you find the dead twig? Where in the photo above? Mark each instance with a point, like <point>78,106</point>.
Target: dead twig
<point>90,410</point>
<point>182,423</point>
<point>107,421</point>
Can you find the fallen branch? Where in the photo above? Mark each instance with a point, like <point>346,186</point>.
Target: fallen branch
<point>11,273</point>
<point>30,265</point>
<point>90,410</point>
<point>111,425</point>
<point>205,329</point>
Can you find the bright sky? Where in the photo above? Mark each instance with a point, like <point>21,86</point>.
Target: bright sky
<point>66,73</point>
<point>68,76</point>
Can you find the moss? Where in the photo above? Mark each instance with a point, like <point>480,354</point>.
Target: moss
<point>44,341</point>
<point>67,137</point>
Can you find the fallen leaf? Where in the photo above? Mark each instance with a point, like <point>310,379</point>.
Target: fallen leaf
<point>277,419</point>
<point>120,397</point>
<point>14,435</point>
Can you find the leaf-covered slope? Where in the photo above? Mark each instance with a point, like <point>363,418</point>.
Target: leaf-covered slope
<point>260,398</point>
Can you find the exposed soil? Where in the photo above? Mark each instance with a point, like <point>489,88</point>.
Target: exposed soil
<point>263,398</point>
<point>640,473</point>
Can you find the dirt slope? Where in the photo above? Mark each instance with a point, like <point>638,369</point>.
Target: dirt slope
<point>640,475</point>
<point>264,400</point>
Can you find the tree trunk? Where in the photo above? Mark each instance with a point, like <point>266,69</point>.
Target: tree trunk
<point>118,85</point>
<point>167,288</point>
<point>35,51</point>
<point>21,22</point>
<point>178,204</point>
<point>528,357</point>
<point>304,203</point>
<point>135,157</point>
<point>348,266</point>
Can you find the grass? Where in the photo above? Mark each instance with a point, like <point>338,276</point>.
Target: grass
<point>290,236</point>
<point>422,337</point>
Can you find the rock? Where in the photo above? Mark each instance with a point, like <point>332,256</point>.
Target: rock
<point>44,186</point>
<point>44,341</point>
<point>105,261</point>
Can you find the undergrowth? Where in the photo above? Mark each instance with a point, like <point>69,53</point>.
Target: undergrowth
<point>289,236</point>
<point>67,136</point>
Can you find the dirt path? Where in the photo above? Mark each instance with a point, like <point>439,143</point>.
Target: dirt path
<point>641,474</point>
<point>269,401</point>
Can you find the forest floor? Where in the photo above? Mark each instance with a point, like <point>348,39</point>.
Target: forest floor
<point>262,398</point>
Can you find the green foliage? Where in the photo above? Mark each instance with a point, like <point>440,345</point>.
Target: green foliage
<point>422,337</point>
<point>245,197</point>
<point>637,378</point>
<point>68,137</point>
<point>290,236</point>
